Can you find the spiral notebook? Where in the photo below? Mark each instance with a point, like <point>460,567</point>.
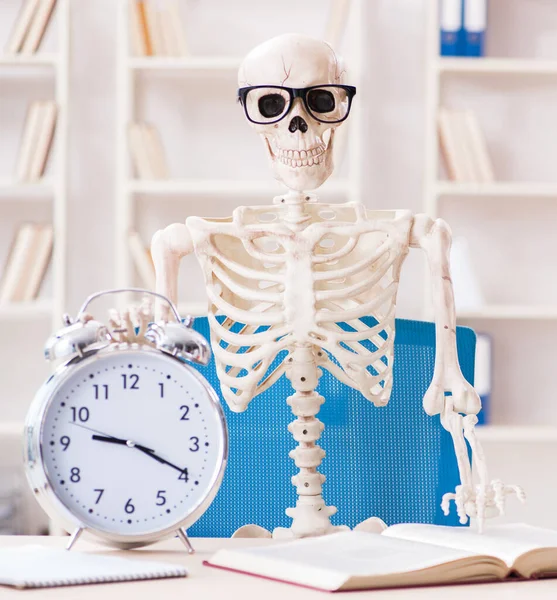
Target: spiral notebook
<point>36,566</point>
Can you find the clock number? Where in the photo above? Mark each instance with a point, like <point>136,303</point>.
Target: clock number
<point>131,381</point>
<point>161,497</point>
<point>101,492</point>
<point>98,392</point>
<point>75,475</point>
<point>81,414</point>
<point>184,476</point>
<point>186,410</point>
<point>65,441</point>
<point>161,386</point>
<point>129,508</point>
<point>195,444</point>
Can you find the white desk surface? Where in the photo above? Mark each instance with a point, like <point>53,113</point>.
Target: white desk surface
<point>205,583</point>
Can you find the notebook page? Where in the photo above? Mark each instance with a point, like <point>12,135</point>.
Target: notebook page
<point>506,542</point>
<point>348,553</point>
<point>37,566</point>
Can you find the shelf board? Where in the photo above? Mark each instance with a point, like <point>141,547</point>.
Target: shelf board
<point>24,310</point>
<point>494,66</point>
<point>29,60</point>
<point>184,63</point>
<point>508,312</point>
<point>516,433</point>
<point>208,187</point>
<point>497,189</point>
<point>10,187</point>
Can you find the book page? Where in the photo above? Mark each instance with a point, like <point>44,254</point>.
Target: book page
<point>349,554</point>
<point>506,542</point>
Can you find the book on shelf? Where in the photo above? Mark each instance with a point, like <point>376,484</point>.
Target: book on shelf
<point>474,22</point>
<point>156,29</point>
<point>483,374</point>
<point>402,555</point>
<point>30,26</point>
<point>21,26</point>
<point>27,263</point>
<point>147,151</point>
<point>463,147</point>
<point>336,24</point>
<point>141,257</point>
<point>36,141</point>
<point>450,23</point>
<point>462,27</point>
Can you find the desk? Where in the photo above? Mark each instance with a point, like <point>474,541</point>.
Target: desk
<point>207,583</point>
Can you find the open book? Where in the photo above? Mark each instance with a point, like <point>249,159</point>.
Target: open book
<point>403,555</point>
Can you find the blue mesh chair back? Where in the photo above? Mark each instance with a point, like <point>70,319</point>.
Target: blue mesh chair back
<point>392,462</point>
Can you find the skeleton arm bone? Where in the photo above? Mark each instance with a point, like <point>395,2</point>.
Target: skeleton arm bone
<point>487,498</point>
<point>168,247</point>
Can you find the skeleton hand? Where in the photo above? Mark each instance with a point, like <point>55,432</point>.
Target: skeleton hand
<point>132,323</point>
<point>481,501</point>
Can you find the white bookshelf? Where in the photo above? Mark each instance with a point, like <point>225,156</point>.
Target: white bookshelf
<point>28,323</point>
<point>530,434</point>
<point>186,63</point>
<point>516,198</point>
<point>495,66</point>
<point>187,193</point>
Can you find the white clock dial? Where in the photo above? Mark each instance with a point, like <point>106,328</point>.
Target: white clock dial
<point>132,442</point>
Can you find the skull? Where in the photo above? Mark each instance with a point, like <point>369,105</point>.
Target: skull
<point>299,146</point>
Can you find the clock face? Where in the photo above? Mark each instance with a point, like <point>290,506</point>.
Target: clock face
<point>132,442</point>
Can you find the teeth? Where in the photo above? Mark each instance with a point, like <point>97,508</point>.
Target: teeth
<point>300,158</point>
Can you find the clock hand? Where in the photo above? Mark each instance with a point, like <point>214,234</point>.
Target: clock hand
<point>102,437</point>
<point>148,451</point>
<point>158,458</point>
<point>122,442</point>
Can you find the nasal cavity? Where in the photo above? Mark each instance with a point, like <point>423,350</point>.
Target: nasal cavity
<point>297,123</point>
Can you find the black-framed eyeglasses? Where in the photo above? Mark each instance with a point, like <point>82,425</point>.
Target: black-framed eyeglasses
<point>267,104</point>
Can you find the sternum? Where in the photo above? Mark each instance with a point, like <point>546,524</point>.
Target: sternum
<point>299,298</point>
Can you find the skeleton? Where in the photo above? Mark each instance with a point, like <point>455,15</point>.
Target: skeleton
<point>293,282</point>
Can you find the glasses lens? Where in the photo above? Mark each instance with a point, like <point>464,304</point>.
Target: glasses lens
<point>328,103</point>
<point>267,104</point>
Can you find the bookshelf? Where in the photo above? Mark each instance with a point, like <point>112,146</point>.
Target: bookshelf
<point>522,329</point>
<point>147,205</point>
<point>43,75</point>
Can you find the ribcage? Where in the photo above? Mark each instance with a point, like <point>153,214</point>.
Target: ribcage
<point>331,283</point>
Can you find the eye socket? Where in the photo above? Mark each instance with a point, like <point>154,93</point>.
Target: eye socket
<point>321,101</point>
<point>271,105</point>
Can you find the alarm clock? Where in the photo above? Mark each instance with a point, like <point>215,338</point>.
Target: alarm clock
<point>125,440</point>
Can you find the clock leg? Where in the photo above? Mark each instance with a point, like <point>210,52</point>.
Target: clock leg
<point>184,537</point>
<point>75,536</point>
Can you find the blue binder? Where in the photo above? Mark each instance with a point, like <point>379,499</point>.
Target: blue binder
<point>450,20</point>
<point>475,19</point>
